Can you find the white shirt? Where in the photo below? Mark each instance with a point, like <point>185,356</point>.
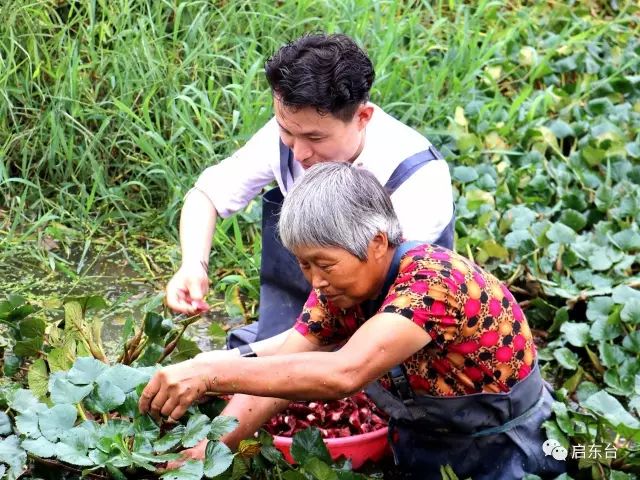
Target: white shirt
<point>423,203</point>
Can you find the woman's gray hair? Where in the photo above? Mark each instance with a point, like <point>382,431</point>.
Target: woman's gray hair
<point>337,205</point>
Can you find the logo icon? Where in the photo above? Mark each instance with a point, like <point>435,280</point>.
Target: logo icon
<point>552,447</point>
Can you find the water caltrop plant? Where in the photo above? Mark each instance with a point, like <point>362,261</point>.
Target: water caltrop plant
<point>90,421</point>
<point>79,415</point>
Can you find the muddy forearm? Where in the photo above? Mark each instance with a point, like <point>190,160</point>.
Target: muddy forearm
<point>252,413</point>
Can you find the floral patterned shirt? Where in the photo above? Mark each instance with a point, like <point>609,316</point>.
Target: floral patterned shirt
<point>480,339</point>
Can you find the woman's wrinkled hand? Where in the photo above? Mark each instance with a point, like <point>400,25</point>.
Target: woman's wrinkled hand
<point>174,388</point>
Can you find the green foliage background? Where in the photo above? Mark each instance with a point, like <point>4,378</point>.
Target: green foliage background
<point>109,110</point>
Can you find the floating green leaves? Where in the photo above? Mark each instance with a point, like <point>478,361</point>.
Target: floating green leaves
<point>85,371</point>
<point>191,470</point>
<point>64,391</point>
<point>5,424</point>
<point>218,459</point>
<point>57,420</point>
<point>308,444</point>
<point>198,427</point>
<point>170,439</point>
<point>221,425</point>
<point>104,442</point>
<point>13,455</point>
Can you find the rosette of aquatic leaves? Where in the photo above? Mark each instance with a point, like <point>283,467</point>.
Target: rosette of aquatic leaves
<point>546,168</point>
<point>600,400</point>
<point>89,421</point>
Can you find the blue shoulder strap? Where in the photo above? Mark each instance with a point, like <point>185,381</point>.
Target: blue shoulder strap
<point>286,163</point>
<point>409,166</point>
<point>396,374</point>
<point>370,307</point>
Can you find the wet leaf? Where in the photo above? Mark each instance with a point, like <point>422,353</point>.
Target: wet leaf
<point>72,455</point>
<point>124,377</point>
<point>221,425</point>
<point>611,355</point>
<point>170,439</point>
<point>83,436</point>
<point>85,370</point>
<point>190,470</point>
<point>632,342</point>
<point>27,424</point>
<point>308,443</point>
<point>63,391</point>
<point>577,334</point>
<point>464,174</point>
<point>623,294</point>
<point>40,447</point>
<point>218,459</point>
<point>12,454</point>
<point>57,420</point>
<point>610,408</point>
<point>599,308</point>
<point>631,312</point>
<point>38,378</point>
<point>566,358</point>
<point>627,239</point>
<point>5,424</point>
<point>107,397</point>
<point>561,129</point>
<point>561,234</point>
<point>198,427</point>
<point>24,401</point>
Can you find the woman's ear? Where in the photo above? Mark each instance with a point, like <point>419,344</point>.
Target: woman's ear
<point>378,246</point>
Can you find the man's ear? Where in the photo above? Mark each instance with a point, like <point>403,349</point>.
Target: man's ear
<point>363,115</point>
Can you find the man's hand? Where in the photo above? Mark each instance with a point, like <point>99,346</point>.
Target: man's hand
<point>195,453</point>
<point>174,388</point>
<point>187,288</point>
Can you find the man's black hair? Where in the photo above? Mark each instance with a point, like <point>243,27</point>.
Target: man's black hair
<point>328,72</point>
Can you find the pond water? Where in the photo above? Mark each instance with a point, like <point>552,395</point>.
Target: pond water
<point>112,275</point>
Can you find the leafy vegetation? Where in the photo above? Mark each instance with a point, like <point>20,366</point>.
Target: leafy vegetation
<point>80,414</point>
<point>109,110</point>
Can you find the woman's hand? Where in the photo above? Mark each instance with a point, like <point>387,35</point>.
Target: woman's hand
<point>174,388</point>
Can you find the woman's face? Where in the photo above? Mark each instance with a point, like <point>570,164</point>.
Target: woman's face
<point>343,278</point>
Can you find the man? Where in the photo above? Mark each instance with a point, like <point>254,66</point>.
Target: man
<point>320,85</point>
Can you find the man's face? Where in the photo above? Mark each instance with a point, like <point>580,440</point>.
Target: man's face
<point>315,138</point>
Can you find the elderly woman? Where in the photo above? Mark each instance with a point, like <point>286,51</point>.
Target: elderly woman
<point>450,346</point>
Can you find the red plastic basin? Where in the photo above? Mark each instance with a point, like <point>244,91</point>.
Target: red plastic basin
<point>358,448</point>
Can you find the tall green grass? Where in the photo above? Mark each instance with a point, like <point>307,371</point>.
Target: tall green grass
<point>108,110</point>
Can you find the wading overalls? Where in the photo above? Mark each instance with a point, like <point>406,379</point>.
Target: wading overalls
<point>283,288</point>
<point>485,436</point>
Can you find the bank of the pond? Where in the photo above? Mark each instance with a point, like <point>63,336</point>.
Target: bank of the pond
<point>110,275</point>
